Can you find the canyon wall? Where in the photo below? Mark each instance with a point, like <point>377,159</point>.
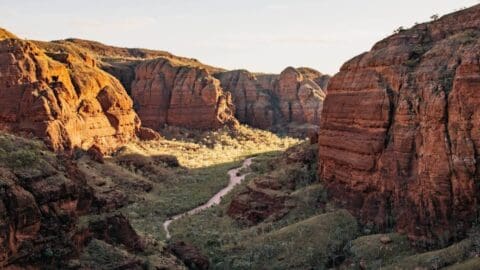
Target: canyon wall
<point>167,92</point>
<point>39,211</point>
<point>400,132</point>
<point>62,97</point>
<point>266,101</point>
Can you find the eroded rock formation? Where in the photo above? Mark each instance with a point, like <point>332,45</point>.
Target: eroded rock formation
<point>266,101</point>
<point>53,215</point>
<point>62,97</point>
<point>261,100</point>
<point>39,206</point>
<point>269,196</point>
<point>166,92</point>
<point>399,136</point>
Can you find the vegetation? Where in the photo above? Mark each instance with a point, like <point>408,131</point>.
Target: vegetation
<point>18,153</point>
<point>173,175</point>
<point>370,250</point>
<point>155,180</point>
<point>305,237</point>
<point>438,258</point>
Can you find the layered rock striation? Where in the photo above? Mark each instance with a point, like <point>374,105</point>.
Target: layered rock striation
<point>266,101</point>
<point>62,97</point>
<point>399,136</point>
<point>167,92</point>
<point>261,100</point>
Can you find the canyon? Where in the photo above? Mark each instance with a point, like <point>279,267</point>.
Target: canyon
<point>128,158</point>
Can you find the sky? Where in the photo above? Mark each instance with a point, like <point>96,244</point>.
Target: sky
<point>258,35</point>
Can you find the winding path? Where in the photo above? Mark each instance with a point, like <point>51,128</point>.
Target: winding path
<point>216,199</point>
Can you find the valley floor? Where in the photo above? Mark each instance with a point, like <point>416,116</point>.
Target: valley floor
<point>301,231</point>
<point>279,217</point>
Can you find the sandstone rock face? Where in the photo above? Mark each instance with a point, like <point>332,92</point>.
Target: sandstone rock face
<point>262,100</point>
<point>54,213</point>
<point>116,229</point>
<point>122,62</point>
<point>399,136</point>
<point>265,101</point>
<point>38,212</point>
<point>269,196</point>
<point>63,98</point>
<point>165,92</point>
<point>263,199</point>
<point>190,255</point>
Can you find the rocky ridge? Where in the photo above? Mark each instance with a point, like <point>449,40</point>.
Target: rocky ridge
<point>268,101</point>
<point>63,98</point>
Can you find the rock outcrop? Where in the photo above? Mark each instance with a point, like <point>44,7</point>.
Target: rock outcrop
<point>262,100</point>
<point>190,255</point>
<point>167,92</point>
<point>121,62</point>
<point>53,215</point>
<point>268,101</point>
<point>399,136</point>
<point>268,196</point>
<point>62,97</point>
<point>41,197</point>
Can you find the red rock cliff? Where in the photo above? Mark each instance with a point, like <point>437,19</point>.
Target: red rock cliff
<point>267,100</point>
<point>399,136</point>
<point>62,97</point>
<point>167,92</point>
<point>41,197</point>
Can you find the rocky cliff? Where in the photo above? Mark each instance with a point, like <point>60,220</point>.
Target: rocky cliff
<point>40,199</point>
<point>118,61</point>
<point>53,217</point>
<point>266,101</point>
<point>62,97</point>
<point>170,92</point>
<point>261,100</point>
<point>399,136</point>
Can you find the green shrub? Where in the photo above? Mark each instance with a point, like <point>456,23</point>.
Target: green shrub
<point>21,158</point>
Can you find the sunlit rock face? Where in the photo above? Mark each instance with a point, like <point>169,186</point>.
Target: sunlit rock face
<point>400,130</point>
<point>63,98</point>
<point>165,92</point>
<point>265,100</point>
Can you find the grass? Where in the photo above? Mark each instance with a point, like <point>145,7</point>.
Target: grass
<point>175,174</point>
<point>101,255</point>
<point>470,264</point>
<point>370,250</point>
<point>172,175</point>
<point>305,237</point>
<point>27,158</point>
<point>438,258</point>
<point>313,242</point>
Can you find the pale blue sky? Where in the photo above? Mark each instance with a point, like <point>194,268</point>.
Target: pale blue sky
<point>259,35</point>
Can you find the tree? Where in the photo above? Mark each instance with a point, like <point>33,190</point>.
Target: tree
<point>398,30</point>
<point>434,17</point>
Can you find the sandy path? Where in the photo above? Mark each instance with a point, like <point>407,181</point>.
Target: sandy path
<point>216,199</point>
